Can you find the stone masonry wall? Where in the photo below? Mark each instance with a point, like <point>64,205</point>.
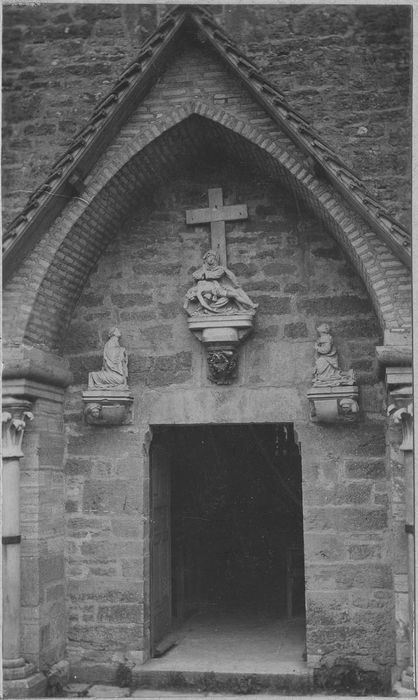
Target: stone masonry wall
<point>345,68</point>
<point>299,278</point>
<point>285,261</point>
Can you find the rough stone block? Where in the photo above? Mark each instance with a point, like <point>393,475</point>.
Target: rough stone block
<point>51,449</point>
<point>120,614</point>
<point>273,305</point>
<point>365,551</point>
<point>323,547</point>
<point>362,469</point>
<point>327,608</point>
<point>347,304</point>
<point>345,519</point>
<point>131,299</point>
<point>110,636</point>
<point>296,330</point>
<point>364,575</point>
<point>114,496</point>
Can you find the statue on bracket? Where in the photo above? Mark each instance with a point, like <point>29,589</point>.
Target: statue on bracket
<point>114,371</point>
<point>334,395</point>
<point>108,400</point>
<point>221,316</point>
<point>327,371</point>
<point>217,290</point>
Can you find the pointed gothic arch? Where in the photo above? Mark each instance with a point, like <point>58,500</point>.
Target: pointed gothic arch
<point>74,243</point>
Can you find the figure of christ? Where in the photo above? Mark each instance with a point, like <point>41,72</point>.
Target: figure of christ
<point>215,286</point>
<point>114,370</point>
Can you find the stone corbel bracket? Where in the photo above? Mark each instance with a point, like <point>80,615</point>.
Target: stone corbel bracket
<point>334,404</point>
<point>221,334</point>
<point>401,410</point>
<point>107,407</point>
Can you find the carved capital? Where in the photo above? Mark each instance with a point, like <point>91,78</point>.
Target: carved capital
<point>401,410</point>
<point>15,413</point>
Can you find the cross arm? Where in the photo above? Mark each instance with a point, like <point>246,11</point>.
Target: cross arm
<point>220,213</point>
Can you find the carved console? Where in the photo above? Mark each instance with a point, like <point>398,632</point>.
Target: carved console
<point>107,407</point>
<point>108,400</point>
<point>333,397</point>
<point>333,404</point>
<point>221,335</point>
<point>221,316</point>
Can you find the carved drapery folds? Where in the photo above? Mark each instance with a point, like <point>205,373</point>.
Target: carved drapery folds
<point>220,314</point>
<point>216,290</point>
<point>108,400</point>
<point>334,395</point>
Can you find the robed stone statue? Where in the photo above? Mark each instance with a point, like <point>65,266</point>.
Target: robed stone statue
<point>114,372</point>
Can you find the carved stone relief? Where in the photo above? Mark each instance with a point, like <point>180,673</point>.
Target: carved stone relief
<point>220,315</point>
<point>216,291</point>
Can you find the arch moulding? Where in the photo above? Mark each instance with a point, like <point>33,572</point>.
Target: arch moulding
<point>60,263</point>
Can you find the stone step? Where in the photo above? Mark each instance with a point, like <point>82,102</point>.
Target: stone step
<point>220,682</point>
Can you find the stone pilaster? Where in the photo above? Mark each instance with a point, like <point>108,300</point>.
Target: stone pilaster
<point>401,411</point>
<point>20,678</point>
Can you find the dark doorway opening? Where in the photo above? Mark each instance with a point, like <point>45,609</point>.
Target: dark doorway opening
<point>227,535</point>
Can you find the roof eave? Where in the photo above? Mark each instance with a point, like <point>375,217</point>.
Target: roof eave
<point>71,183</point>
<point>351,188</point>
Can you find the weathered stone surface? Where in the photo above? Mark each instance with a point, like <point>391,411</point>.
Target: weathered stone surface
<point>123,300</point>
<point>346,519</point>
<point>117,614</point>
<point>108,691</point>
<point>273,305</point>
<point>324,547</point>
<point>344,305</point>
<point>110,496</point>
<point>370,469</point>
<point>296,330</point>
<point>139,282</point>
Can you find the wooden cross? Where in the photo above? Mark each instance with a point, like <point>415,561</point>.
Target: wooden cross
<point>216,214</point>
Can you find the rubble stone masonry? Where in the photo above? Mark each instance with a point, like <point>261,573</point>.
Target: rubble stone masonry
<point>345,68</point>
<point>299,278</point>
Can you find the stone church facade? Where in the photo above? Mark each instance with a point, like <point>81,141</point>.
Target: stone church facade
<point>114,238</point>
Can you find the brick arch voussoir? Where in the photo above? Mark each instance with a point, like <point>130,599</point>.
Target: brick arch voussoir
<point>361,245</point>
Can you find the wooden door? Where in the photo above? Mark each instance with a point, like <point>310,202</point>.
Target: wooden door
<point>160,545</point>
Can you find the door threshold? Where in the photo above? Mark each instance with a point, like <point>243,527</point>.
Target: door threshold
<point>293,681</point>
